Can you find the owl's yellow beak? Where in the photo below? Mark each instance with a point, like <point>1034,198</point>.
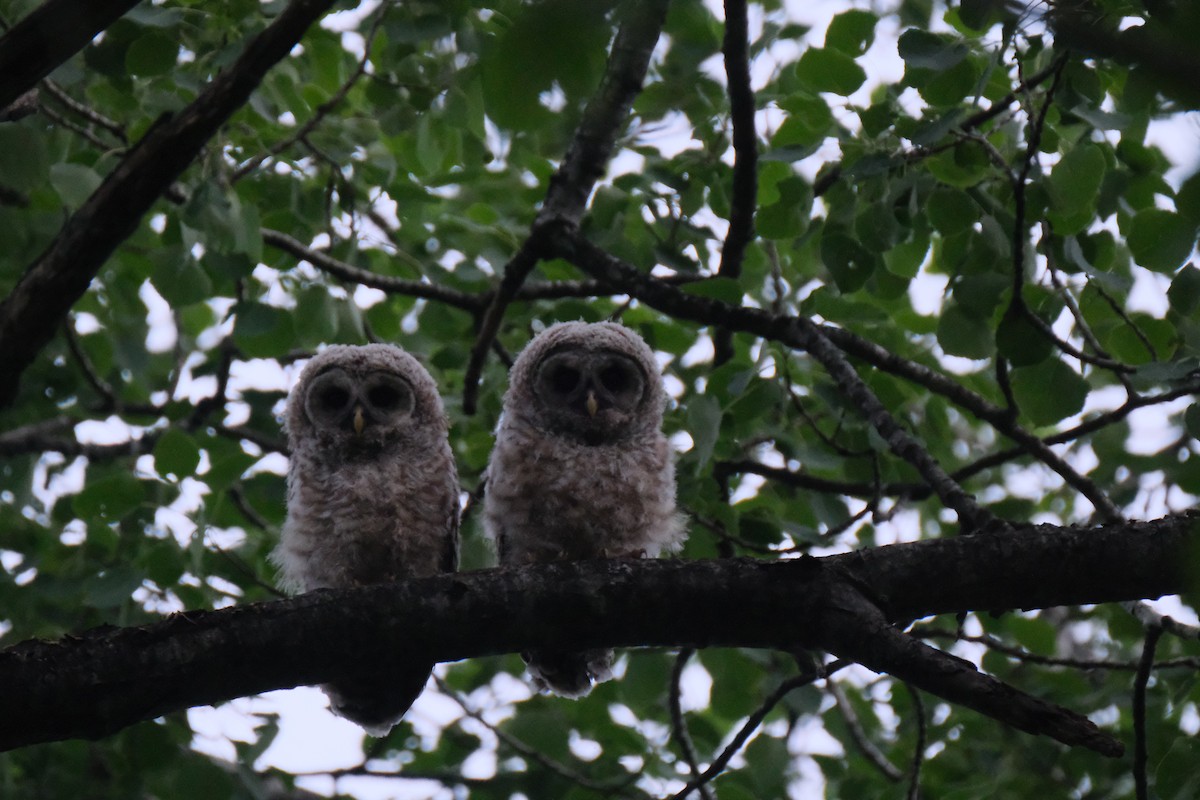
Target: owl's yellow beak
<point>592,405</point>
<point>358,421</point>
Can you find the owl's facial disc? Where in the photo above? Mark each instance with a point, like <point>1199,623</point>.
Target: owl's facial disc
<point>593,392</point>
<point>357,404</point>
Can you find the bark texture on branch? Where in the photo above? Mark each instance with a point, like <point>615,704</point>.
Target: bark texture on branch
<point>48,36</point>
<point>103,680</point>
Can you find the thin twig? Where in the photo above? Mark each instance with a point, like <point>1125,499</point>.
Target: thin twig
<point>754,720</point>
<point>532,753</point>
<point>324,109</point>
<point>1017,302</point>
<point>90,114</point>
<point>859,736</point>
<point>914,785</point>
<point>679,725</point>
<point>1139,711</point>
<point>1146,615</point>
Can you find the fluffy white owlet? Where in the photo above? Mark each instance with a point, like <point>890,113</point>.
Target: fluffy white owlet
<point>372,497</point>
<point>581,468</point>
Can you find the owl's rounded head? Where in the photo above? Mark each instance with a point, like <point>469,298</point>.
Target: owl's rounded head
<point>364,399</point>
<point>594,383</point>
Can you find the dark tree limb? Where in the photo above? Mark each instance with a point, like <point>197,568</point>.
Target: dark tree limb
<point>47,37</point>
<point>96,683</point>
<point>34,310</point>
<point>735,48</point>
<point>584,164</point>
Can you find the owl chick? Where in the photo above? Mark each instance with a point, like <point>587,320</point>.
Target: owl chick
<point>581,468</point>
<point>372,497</point>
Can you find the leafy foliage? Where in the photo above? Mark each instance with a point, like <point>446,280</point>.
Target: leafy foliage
<point>996,219</point>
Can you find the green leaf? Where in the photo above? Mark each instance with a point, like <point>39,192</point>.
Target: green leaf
<point>179,279</point>
<point>1161,240</point>
<point>962,333</point>
<point>1191,418</point>
<point>1020,341</point>
<point>176,453</point>
<point>74,183</point>
<point>809,121</point>
<point>822,69</point>
<point>262,331</point>
<point>852,32</point>
<point>23,157</point>
<point>704,424</point>
<point>1187,199</point>
<point>1073,186</point>
<point>927,50</point>
<point>1049,391</point>
<point>951,211</point>
<point>727,290</point>
<point>789,216</point>
<point>109,498</point>
<point>1184,293</point>
<point>849,262</point>
<point>1175,777</point>
<point>152,54</point>
<point>111,587</point>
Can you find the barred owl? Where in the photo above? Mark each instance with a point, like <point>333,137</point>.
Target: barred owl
<point>581,468</point>
<point>372,497</point>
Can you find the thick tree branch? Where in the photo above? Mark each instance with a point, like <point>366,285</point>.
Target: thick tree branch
<point>31,314</point>
<point>96,683</point>
<point>583,165</point>
<point>47,37</point>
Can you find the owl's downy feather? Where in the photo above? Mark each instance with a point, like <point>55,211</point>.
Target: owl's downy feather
<point>372,497</point>
<point>581,468</point>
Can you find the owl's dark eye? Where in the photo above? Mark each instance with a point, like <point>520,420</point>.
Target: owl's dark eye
<point>384,398</point>
<point>616,378</point>
<point>387,394</point>
<point>564,378</point>
<point>333,398</point>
